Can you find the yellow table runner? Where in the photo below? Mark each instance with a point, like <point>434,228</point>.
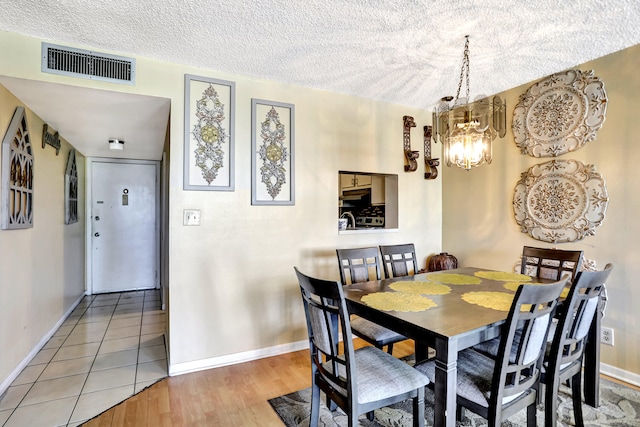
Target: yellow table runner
<point>503,276</point>
<point>454,279</point>
<point>514,287</point>
<point>398,301</point>
<point>420,288</point>
<point>495,300</point>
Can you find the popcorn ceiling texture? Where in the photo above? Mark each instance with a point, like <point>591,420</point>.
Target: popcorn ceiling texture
<point>407,52</point>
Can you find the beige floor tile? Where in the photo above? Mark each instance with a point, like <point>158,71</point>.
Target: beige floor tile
<point>144,384</point>
<point>148,319</point>
<point>122,344</point>
<point>131,300</point>
<point>46,414</point>
<point>77,338</point>
<point>115,360</point>
<point>91,404</point>
<point>76,351</point>
<point>59,388</point>
<point>70,321</point>
<point>154,370</point>
<point>148,354</point>
<point>64,330</point>
<point>153,328</point>
<point>128,331</point>
<point>55,342</point>
<point>127,321</point>
<point>149,340</point>
<point>65,368</point>
<point>13,396</point>
<point>110,378</point>
<point>4,416</point>
<point>95,318</point>
<point>43,356</point>
<point>29,374</point>
<point>97,327</point>
<point>124,314</point>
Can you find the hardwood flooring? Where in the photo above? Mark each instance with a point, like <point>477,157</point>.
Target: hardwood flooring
<point>229,396</point>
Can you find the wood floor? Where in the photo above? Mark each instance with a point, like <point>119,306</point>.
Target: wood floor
<point>229,396</point>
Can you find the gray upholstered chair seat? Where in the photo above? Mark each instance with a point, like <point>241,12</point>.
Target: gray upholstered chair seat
<point>362,326</point>
<point>381,375</point>
<point>475,372</point>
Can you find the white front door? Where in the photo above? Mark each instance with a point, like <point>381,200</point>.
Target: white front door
<point>124,229</point>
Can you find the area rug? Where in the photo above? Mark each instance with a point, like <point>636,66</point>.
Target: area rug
<point>619,406</point>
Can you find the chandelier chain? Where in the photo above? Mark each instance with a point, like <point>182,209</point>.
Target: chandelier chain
<point>464,71</point>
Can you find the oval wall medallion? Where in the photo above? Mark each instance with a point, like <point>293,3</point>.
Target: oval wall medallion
<point>559,114</point>
<point>560,201</point>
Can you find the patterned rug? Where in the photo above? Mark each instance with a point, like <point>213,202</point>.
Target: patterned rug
<point>619,406</point>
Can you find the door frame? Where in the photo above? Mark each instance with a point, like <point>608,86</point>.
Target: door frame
<point>89,218</point>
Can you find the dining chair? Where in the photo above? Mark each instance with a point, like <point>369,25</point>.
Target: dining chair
<point>542,263</point>
<point>547,263</point>
<point>358,381</point>
<point>567,341</point>
<point>498,388</point>
<point>399,260</point>
<point>361,265</point>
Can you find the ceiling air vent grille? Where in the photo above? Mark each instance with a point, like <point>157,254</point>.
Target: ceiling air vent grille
<point>88,64</point>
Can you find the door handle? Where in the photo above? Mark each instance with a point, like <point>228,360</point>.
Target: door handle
<point>97,234</point>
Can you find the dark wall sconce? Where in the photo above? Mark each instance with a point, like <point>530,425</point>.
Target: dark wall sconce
<point>430,165</point>
<point>410,155</point>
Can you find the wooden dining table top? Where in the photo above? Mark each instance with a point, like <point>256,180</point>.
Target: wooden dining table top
<point>452,315</point>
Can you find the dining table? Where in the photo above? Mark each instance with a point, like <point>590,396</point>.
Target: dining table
<point>450,311</point>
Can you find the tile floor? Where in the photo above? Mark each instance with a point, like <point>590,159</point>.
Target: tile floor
<point>109,348</point>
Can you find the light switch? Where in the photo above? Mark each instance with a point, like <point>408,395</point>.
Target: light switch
<point>191,217</point>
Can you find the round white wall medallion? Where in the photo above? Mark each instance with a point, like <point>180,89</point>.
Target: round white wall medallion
<point>559,114</point>
<point>560,201</point>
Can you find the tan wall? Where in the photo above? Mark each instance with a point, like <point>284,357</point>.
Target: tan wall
<point>232,286</point>
<point>41,268</point>
<point>480,229</point>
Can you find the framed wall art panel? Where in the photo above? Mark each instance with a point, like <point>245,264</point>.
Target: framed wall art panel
<point>17,174</point>
<point>272,153</point>
<point>209,132</point>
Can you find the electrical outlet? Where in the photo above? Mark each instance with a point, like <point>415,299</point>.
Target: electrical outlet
<point>606,336</point>
<point>191,217</point>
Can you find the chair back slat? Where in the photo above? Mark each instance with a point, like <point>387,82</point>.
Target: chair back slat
<point>399,260</point>
<point>358,265</point>
<point>579,309</point>
<point>550,263</point>
<point>326,313</point>
<point>520,359</point>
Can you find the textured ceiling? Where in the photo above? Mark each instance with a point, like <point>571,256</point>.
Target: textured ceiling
<point>399,51</point>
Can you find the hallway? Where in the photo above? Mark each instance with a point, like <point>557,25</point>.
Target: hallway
<point>109,348</point>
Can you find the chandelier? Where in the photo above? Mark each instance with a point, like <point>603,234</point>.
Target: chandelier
<point>466,129</point>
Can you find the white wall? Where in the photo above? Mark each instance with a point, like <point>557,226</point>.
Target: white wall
<point>232,289</point>
<point>41,268</point>
<point>478,221</point>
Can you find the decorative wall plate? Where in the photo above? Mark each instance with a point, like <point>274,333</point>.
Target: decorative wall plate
<point>560,201</point>
<point>559,114</point>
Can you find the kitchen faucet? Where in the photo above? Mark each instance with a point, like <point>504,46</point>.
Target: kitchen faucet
<point>350,215</point>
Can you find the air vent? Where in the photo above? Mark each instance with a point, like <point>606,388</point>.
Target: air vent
<point>87,64</point>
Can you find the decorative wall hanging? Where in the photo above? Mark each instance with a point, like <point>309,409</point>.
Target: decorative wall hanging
<point>71,190</point>
<point>272,153</point>
<point>53,139</point>
<point>17,174</point>
<point>411,156</point>
<point>430,165</point>
<point>559,114</point>
<point>209,131</point>
<point>560,201</point>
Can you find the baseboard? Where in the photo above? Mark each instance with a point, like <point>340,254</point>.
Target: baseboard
<point>620,374</point>
<point>14,374</point>
<point>232,359</point>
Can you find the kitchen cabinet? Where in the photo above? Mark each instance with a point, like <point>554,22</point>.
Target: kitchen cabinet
<point>377,190</point>
<point>354,181</point>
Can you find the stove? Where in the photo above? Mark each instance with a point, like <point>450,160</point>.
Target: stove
<point>370,221</point>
